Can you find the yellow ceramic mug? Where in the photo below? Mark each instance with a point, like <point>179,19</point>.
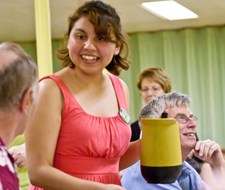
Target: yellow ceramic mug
<point>161,160</point>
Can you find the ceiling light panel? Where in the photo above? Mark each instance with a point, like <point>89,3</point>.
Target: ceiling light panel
<point>169,9</point>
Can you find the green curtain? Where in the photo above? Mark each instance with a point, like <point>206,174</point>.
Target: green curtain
<point>194,59</point>
<point>30,48</point>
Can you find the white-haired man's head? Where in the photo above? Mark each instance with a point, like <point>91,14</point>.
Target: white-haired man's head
<point>154,108</point>
<point>177,107</point>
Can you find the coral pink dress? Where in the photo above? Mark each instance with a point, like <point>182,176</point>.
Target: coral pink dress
<point>90,147</point>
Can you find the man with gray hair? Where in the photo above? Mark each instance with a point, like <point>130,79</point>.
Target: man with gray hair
<point>176,105</point>
<point>18,86</point>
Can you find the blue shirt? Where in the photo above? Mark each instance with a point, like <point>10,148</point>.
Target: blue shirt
<point>189,180</point>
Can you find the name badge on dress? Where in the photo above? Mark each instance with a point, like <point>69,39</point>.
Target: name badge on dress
<point>124,115</point>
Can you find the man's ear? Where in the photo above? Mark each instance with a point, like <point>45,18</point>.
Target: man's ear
<point>26,101</point>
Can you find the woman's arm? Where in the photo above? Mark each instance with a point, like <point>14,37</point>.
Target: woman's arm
<point>132,155</point>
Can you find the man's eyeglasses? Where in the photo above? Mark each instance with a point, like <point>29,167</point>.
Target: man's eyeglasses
<point>181,118</point>
<point>153,90</point>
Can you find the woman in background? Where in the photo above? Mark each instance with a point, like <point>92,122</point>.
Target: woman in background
<point>152,82</point>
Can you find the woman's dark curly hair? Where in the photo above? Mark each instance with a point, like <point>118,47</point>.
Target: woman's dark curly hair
<point>105,21</point>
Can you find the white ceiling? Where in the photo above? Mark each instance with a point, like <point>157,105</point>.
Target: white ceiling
<point>17,21</point>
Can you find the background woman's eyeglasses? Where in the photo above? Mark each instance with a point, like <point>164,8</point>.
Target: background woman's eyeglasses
<point>153,90</point>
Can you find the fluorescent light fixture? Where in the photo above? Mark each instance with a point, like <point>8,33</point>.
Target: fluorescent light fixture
<point>169,10</point>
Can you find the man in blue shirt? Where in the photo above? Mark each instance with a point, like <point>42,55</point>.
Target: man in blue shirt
<point>176,105</point>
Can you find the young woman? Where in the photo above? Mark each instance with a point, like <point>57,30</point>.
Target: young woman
<point>79,137</point>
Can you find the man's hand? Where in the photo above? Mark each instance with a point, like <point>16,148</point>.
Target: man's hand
<point>19,155</point>
<point>210,152</point>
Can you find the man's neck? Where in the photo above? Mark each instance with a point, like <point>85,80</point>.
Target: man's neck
<point>184,154</point>
<point>8,123</point>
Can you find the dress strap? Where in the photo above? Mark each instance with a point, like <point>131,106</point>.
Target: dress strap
<point>64,89</point>
<point>58,81</point>
<point>119,91</point>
